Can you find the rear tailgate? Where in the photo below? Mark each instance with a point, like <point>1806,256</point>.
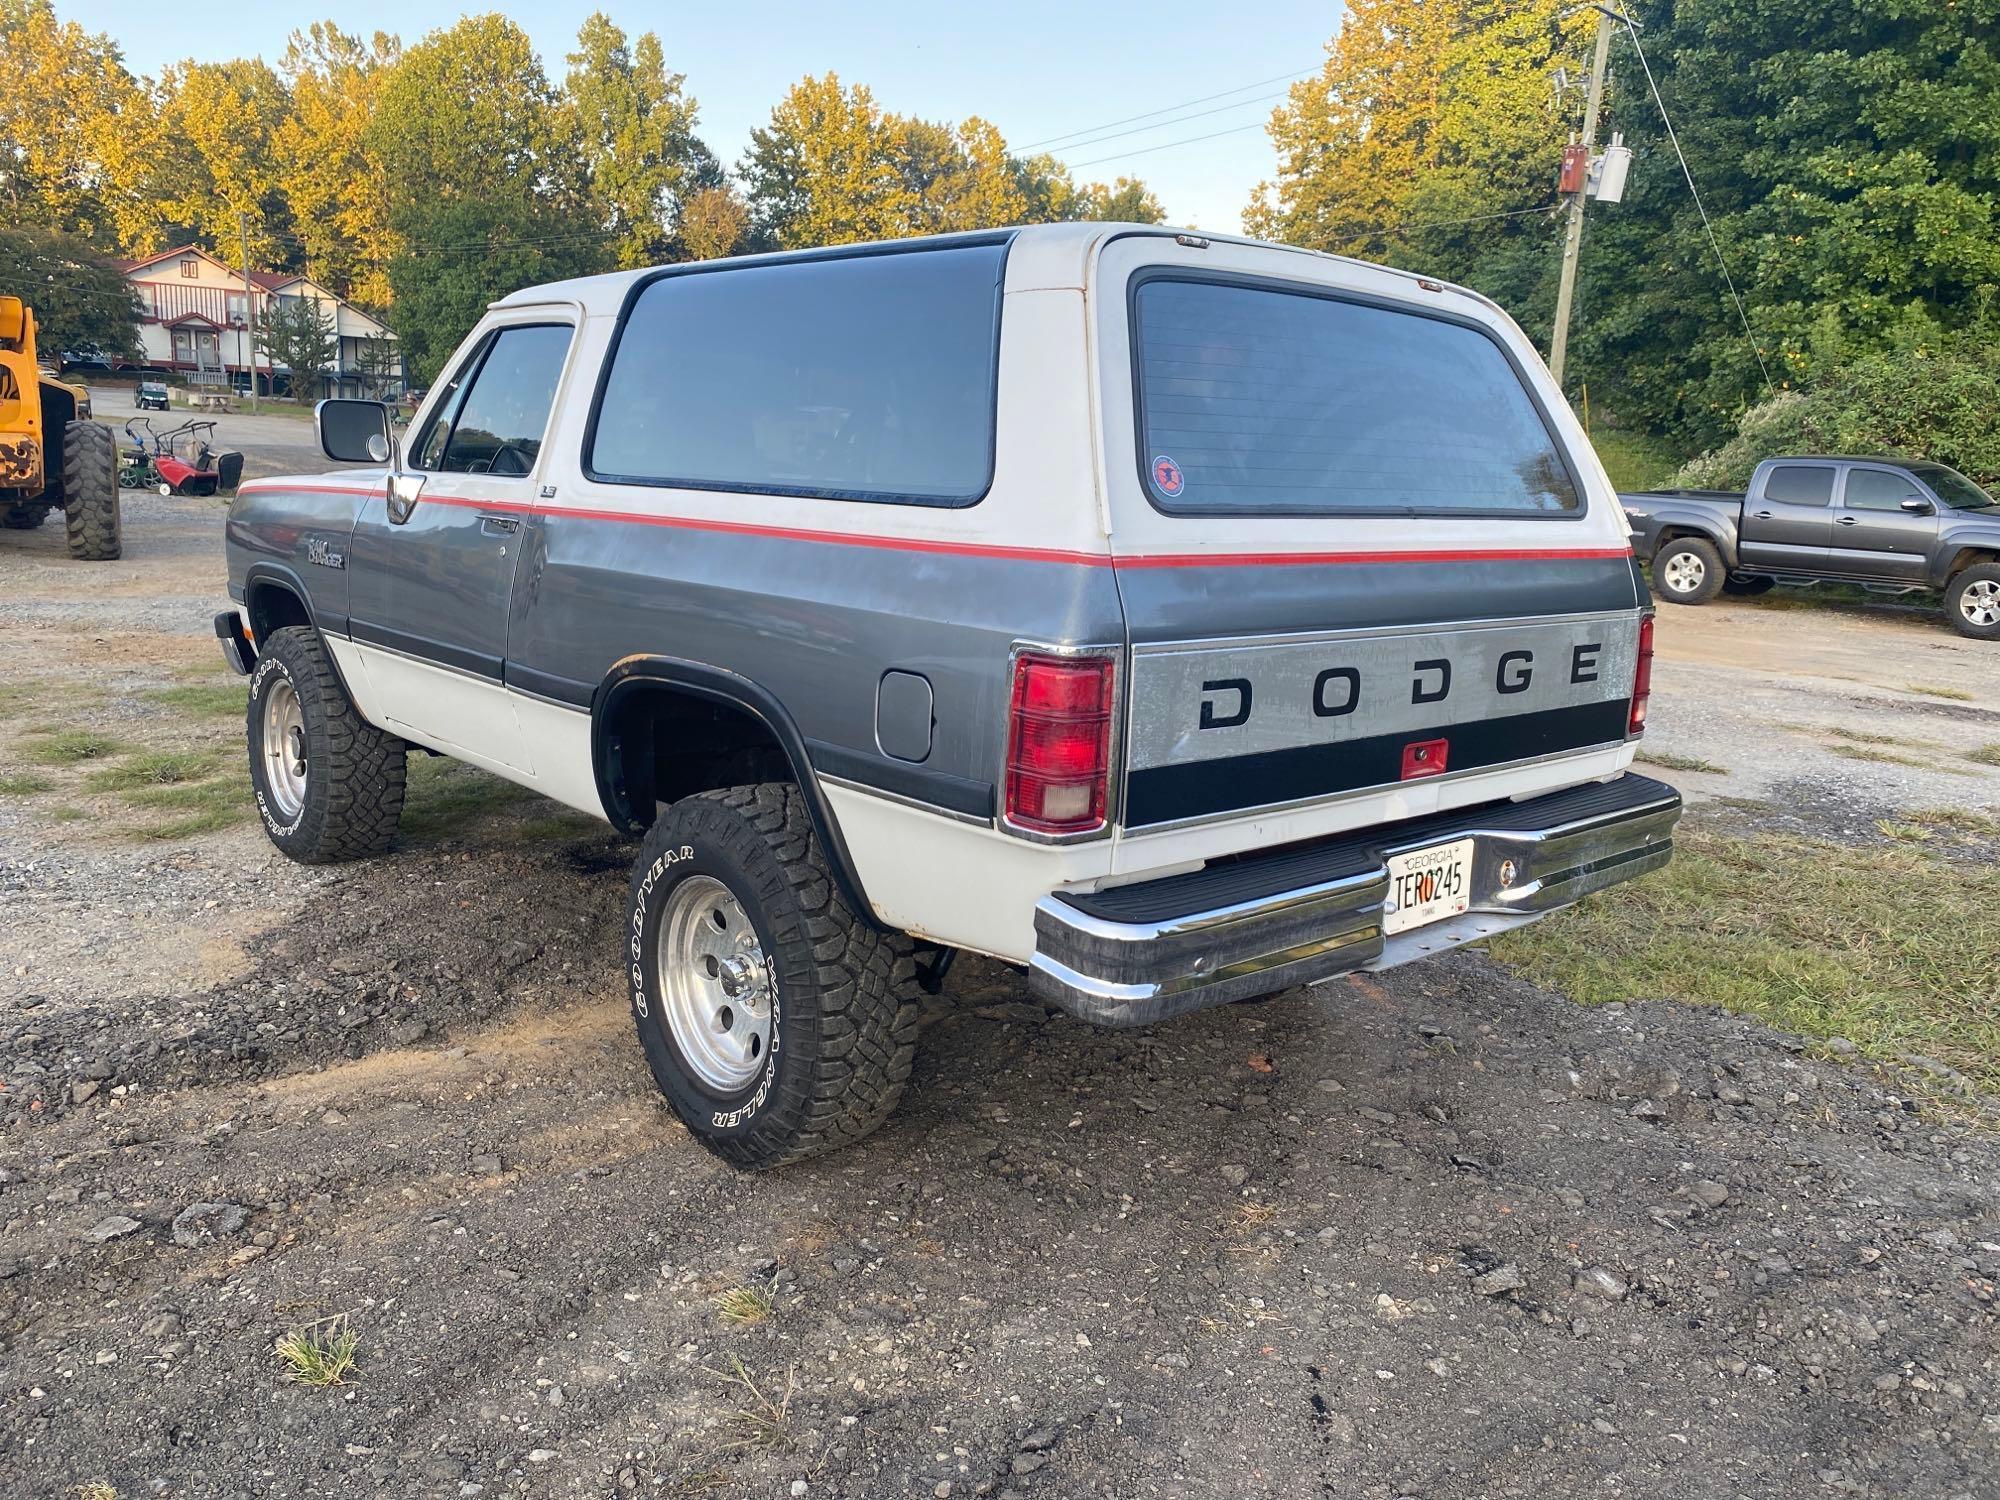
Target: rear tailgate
<point>1359,541</point>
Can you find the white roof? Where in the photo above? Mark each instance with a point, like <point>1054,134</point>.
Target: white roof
<point>1041,255</point>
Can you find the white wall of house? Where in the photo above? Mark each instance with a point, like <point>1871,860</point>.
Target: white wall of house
<point>193,322</point>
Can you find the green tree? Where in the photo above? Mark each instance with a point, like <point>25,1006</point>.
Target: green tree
<point>463,253</point>
<point>80,302</point>
<point>714,222</point>
<point>1127,201</point>
<point>468,113</point>
<point>296,332</point>
<point>1849,156</point>
<point>635,127</point>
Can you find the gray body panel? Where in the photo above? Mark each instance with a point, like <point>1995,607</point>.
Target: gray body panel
<point>815,623</point>
<point>302,534</point>
<point>438,586</point>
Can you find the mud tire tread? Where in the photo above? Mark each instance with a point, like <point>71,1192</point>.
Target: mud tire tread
<point>90,493</point>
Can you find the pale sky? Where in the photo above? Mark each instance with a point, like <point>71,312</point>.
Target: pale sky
<point>1044,72</point>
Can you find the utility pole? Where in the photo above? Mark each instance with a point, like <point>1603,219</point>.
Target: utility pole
<point>249,310</point>
<point>1573,237</point>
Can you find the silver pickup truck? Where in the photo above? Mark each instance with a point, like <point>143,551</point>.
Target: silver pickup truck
<point>1891,525</point>
<point>1182,619</point>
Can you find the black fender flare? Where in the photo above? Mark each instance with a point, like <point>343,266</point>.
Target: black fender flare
<point>718,685</point>
<point>278,576</point>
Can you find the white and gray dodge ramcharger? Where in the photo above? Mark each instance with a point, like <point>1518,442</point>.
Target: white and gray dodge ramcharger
<point>1181,618</point>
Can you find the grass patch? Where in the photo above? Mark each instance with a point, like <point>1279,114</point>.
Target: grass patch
<point>27,784</point>
<point>21,698</point>
<point>1667,760</point>
<point>97,1489</point>
<point>175,829</point>
<point>153,768</point>
<point>445,795</point>
<point>204,700</point>
<point>1904,833</point>
<point>1932,690</point>
<point>1635,461</point>
<point>1890,946</point>
<point>68,813</point>
<point>1954,820</point>
<point>744,1306</point>
<point>1985,755</point>
<point>320,1353</point>
<point>1860,737</point>
<point>68,747</point>
<point>1891,758</point>
<point>762,1421</point>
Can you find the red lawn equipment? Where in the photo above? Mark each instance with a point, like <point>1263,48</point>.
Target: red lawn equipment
<point>180,461</point>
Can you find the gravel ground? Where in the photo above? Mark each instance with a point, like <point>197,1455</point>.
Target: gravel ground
<point>1437,1233</point>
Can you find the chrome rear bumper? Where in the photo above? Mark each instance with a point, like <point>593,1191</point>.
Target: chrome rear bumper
<point>1136,954</point>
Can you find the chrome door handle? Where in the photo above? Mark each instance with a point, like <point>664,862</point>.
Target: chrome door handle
<point>500,525</point>
<point>1847,521</point>
<point>1763,515</point>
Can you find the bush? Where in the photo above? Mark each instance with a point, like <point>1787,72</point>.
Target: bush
<point>1935,403</point>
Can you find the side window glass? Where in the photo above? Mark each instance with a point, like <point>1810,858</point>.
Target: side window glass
<point>1879,489</point>
<point>428,450</point>
<point>1800,484</point>
<point>499,425</point>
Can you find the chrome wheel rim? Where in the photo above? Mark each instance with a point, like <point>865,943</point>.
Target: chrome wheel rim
<point>1980,603</point>
<point>716,984</point>
<point>1685,572</point>
<point>284,749</point>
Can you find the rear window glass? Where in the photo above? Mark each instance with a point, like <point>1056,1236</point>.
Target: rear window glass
<point>1257,401</point>
<point>865,377</point>
<point>1800,484</point>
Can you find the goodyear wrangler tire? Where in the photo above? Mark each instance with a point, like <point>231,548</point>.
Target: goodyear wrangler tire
<point>329,784</point>
<point>777,1022</point>
<point>90,492</point>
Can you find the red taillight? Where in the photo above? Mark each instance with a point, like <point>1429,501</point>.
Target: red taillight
<point>1642,678</point>
<point>1059,742</point>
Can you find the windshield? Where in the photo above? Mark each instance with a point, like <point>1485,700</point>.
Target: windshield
<point>1952,487</point>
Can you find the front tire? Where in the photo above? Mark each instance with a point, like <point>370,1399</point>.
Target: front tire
<point>1688,570</point>
<point>777,1022</point>
<point>90,493</point>
<point>1972,601</point>
<point>329,784</point>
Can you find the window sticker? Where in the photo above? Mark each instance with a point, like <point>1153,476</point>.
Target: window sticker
<point>1167,476</point>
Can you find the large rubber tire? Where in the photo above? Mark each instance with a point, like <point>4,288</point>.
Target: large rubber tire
<point>353,772</point>
<point>23,517</point>
<point>1971,600</point>
<point>1688,570</point>
<point>1742,587</point>
<point>90,492</point>
<point>843,997</point>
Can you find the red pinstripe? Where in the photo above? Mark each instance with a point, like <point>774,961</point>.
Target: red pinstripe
<point>984,549</point>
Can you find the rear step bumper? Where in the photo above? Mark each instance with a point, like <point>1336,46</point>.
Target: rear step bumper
<point>1137,954</point>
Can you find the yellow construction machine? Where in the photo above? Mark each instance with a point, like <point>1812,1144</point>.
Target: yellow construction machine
<point>52,456</point>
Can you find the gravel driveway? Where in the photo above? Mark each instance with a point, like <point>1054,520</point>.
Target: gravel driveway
<point>1437,1233</point>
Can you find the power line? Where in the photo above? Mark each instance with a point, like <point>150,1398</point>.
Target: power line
<point>1166,146</point>
<point>1069,135</point>
<point>1097,140</point>
<point>1700,208</point>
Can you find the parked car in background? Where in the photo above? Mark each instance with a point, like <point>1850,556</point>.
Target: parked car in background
<point>151,396</point>
<point>1183,619</point>
<point>1889,524</point>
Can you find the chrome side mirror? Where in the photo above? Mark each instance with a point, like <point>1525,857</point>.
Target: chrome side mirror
<point>364,432</point>
<point>1916,505</point>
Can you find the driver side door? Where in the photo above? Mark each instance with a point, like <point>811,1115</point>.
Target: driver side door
<point>429,593</point>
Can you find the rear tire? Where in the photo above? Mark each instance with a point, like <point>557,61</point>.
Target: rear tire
<point>1972,602</point>
<point>329,784</point>
<point>1688,570</point>
<point>23,517</point>
<point>1747,588</point>
<point>90,492</point>
<point>778,1023</point>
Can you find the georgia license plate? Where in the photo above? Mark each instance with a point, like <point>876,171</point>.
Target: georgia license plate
<point>1427,885</point>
